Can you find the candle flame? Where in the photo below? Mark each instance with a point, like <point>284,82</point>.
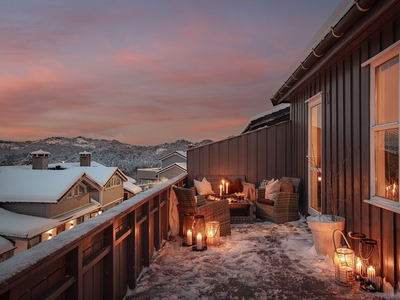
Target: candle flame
<point>199,235</point>
<point>211,234</point>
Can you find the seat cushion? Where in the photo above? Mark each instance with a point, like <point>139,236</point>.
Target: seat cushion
<point>266,201</point>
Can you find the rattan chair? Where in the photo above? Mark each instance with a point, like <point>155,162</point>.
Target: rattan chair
<point>284,209</point>
<point>213,211</point>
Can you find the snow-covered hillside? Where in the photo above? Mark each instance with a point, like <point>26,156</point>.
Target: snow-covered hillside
<point>107,152</point>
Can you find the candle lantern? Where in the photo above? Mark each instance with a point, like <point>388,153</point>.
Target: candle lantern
<point>199,233</point>
<point>213,233</point>
<point>357,237</point>
<point>344,263</point>
<point>188,229</point>
<point>370,258</point>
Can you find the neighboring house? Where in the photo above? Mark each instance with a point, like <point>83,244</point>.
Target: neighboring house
<point>172,164</point>
<point>38,202</point>
<point>130,188</point>
<point>6,249</point>
<point>276,115</point>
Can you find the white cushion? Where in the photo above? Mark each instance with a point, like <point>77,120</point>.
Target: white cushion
<point>203,188</point>
<point>272,189</point>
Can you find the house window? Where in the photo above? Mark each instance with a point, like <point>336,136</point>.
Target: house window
<point>114,181</point>
<point>384,93</point>
<point>314,153</point>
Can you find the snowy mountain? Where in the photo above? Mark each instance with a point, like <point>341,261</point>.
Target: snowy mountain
<point>107,152</point>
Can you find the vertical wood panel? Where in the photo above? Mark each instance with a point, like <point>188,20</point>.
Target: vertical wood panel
<point>388,244</point>
<point>252,157</point>
<point>190,166</point>
<point>243,155</point>
<point>261,153</point>
<point>280,153</point>
<point>356,140</point>
<point>341,139</point>
<point>326,148</point>
<point>272,153</point>
<point>223,157</point>
<point>233,156</point>
<point>214,159</point>
<point>364,92</point>
<point>196,163</point>
<point>348,138</point>
<point>206,160</point>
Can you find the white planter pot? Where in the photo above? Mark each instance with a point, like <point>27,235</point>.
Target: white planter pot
<point>322,234</point>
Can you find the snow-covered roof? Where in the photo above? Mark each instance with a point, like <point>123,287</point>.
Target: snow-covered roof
<point>97,171</point>
<point>183,154</point>
<point>40,152</point>
<point>5,245</point>
<point>19,184</point>
<point>131,187</point>
<point>14,225</point>
<point>270,111</point>
<point>182,166</point>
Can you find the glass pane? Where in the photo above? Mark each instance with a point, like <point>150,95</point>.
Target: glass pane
<point>315,198</point>
<point>315,119</point>
<point>387,92</point>
<point>387,164</point>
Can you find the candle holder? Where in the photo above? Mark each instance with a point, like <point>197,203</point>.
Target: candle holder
<point>199,233</point>
<point>187,229</point>
<point>344,263</point>
<point>213,233</point>
<point>368,246</point>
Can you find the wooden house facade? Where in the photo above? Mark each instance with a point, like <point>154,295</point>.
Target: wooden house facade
<point>345,117</point>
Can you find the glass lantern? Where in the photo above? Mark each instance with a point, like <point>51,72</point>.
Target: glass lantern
<point>199,232</point>
<point>188,229</point>
<point>213,233</point>
<point>344,263</point>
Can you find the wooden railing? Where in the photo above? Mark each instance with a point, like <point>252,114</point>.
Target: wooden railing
<point>98,259</point>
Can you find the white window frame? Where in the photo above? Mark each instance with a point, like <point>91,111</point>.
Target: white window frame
<point>373,63</point>
<point>312,102</point>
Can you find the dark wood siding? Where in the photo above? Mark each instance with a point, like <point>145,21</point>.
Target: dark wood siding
<point>346,135</point>
<point>262,154</point>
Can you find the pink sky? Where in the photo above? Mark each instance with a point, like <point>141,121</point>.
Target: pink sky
<point>146,72</point>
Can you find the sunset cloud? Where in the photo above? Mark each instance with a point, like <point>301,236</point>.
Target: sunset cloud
<point>146,72</point>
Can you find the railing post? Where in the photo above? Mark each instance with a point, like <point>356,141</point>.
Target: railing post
<point>109,284</point>
<point>74,261</point>
<point>157,223</point>
<point>132,253</point>
<point>146,235</point>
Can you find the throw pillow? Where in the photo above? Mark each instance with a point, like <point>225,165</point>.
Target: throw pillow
<point>203,188</point>
<point>235,187</point>
<point>272,189</point>
<point>286,186</point>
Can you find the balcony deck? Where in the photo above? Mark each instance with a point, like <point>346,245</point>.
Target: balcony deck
<point>258,261</point>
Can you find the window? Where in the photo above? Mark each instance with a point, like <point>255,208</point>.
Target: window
<point>384,85</point>
<point>114,181</point>
<point>314,153</point>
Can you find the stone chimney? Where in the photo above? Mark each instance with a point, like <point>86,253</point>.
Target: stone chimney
<point>40,160</point>
<point>86,158</point>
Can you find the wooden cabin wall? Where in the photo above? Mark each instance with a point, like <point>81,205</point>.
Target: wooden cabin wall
<point>345,120</point>
<point>262,154</point>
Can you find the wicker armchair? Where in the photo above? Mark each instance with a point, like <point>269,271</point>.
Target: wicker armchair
<point>214,211</point>
<point>284,209</point>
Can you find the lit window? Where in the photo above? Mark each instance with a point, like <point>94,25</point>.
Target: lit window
<point>384,72</point>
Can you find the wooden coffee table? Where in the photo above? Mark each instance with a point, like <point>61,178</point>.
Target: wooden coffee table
<point>241,211</point>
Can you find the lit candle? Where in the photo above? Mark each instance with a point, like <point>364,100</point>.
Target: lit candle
<point>223,185</point>
<point>220,190</point>
<point>189,237</point>
<point>199,242</point>
<point>387,191</point>
<point>371,274</point>
<point>359,266</point>
<point>227,188</point>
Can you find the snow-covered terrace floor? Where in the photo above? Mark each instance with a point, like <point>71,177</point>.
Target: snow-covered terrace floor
<point>258,261</point>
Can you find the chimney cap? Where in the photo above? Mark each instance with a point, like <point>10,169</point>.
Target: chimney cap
<point>40,152</point>
<point>85,153</point>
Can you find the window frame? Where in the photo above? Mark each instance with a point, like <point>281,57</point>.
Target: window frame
<point>312,102</point>
<point>374,62</point>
